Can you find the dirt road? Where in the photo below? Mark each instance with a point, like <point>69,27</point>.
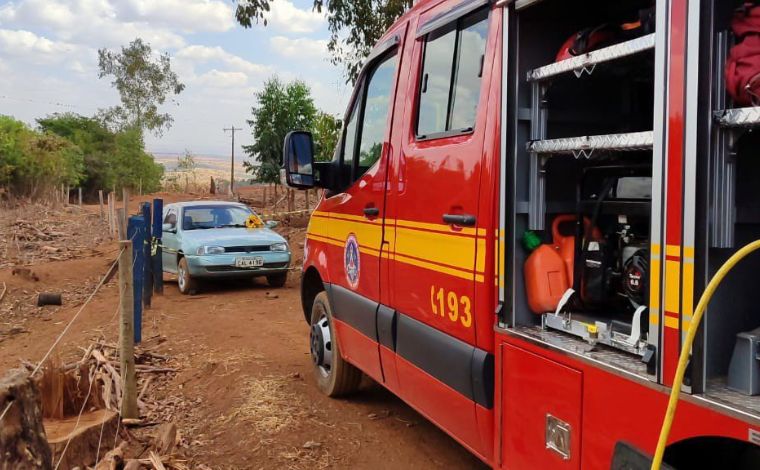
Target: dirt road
<point>243,395</point>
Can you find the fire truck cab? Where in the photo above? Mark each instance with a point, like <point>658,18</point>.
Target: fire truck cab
<point>527,199</point>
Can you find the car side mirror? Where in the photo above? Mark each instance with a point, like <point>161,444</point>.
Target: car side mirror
<point>271,224</point>
<point>298,160</point>
<point>169,228</point>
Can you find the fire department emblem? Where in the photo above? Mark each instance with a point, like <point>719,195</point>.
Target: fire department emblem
<point>351,261</point>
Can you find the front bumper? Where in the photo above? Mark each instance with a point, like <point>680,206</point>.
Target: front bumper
<point>223,266</point>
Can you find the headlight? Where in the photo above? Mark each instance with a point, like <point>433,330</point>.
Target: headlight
<point>210,250</point>
<point>279,247</point>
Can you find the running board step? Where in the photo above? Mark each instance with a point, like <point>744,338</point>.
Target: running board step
<point>585,146</point>
<point>587,62</point>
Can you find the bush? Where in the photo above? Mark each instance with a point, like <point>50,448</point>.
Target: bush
<point>34,163</point>
<point>112,159</point>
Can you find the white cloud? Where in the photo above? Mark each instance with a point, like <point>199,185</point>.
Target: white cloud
<point>222,79</point>
<point>300,48</point>
<point>188,58</point>
<point>284,16</point>
<point>189,15</point>
<point>86,22</point>
<point>31,48</point>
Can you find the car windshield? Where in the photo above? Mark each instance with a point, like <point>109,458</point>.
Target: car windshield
<point>208,217</point>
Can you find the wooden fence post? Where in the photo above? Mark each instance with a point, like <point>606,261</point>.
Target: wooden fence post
<point>80,196</point>
<point>121,228</point>
<point>125,202</point>
<point>100,197</point>
<point>126,333</point>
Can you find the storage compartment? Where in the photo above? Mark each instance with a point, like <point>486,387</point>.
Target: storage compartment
<point>728,218</point>
<point>541,412</point>
<point>582,148</point>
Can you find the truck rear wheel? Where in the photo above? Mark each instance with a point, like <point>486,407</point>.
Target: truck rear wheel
<point>335,377</point>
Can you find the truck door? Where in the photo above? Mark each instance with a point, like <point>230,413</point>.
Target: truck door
<point>438,247</point>
<point>355,215</point>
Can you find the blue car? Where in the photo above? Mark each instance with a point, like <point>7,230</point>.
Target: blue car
<point>221,240</point>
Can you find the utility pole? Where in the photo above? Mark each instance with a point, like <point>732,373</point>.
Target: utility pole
<point>232,129</point>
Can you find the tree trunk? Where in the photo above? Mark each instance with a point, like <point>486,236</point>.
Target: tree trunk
<point>23,444</point>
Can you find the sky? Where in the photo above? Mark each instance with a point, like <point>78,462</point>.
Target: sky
<point>48,61</point>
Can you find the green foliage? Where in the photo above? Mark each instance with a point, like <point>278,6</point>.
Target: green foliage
<point>279,109</point>
<point>111,159</point>
<point>187,162</point>
<point>355,25</point>
<point>32,163</point>
<point>326,134</point>
<point>143,82</point>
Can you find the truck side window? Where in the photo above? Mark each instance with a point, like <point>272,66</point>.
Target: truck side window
<point>452,69</point>
<point>368,121</point>
<point>375,122</point>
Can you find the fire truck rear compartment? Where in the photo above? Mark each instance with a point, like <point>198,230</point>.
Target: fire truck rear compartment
<point>590,119</point>
<point>726,357</point>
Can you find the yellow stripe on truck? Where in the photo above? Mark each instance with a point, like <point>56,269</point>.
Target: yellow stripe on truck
<point>418,244</point>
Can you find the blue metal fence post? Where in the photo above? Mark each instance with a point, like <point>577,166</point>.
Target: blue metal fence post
<point>158,232</point>
<point>148,267</point>
<point>136,233</point>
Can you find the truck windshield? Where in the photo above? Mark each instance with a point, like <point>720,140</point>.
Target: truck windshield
<point>208,217</point>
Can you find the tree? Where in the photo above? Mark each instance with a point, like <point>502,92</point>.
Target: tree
<point>33,163</point>
<point>93,138</point>
<point>107,155</point>
<point>280,108</point>
<point>186,164</point>
<point>355,26</point>
<point>326,134</point>
<point>144,83</point>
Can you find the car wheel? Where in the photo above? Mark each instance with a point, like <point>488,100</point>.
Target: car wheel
<point>335,377</point>
<point>187,285</point>
<point>277,280</point>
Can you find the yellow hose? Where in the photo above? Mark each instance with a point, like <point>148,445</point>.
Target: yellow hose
<point>670,414</point>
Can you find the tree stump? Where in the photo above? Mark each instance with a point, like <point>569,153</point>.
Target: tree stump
<point>23,444</point>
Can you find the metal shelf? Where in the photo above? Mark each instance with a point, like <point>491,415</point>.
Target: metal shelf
<point>738,117</point>
<point>585,146</point>
<point>587,62</point>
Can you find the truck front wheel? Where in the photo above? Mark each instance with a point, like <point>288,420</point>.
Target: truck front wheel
<point>335,377</point>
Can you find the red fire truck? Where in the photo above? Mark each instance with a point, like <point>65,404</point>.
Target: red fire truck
<point>526,202</point>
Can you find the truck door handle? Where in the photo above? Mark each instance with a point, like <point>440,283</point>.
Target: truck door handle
<point>463,220</point>
<point>371,211</point>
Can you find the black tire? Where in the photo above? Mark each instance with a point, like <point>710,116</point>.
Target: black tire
<point>342,378</point>
<point>187,285</point>
<point>277,280</point>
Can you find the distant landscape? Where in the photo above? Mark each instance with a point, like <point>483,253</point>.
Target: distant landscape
<point>207,167</point>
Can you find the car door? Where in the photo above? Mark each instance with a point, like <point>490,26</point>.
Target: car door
<point>170,240</point>
<point>438,243</point>
<point>354,215</point>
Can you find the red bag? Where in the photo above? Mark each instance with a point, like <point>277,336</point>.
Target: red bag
<point>743,65</point>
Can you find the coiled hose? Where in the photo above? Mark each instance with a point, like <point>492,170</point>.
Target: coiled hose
<point>670,414</point>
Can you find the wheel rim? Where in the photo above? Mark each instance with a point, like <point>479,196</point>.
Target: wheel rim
<point>181,278</point>
<point>321,346</point>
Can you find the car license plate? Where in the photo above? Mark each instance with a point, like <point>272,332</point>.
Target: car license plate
<point>256,262</point>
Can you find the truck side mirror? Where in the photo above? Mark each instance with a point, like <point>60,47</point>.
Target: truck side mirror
<point>298,160</point>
